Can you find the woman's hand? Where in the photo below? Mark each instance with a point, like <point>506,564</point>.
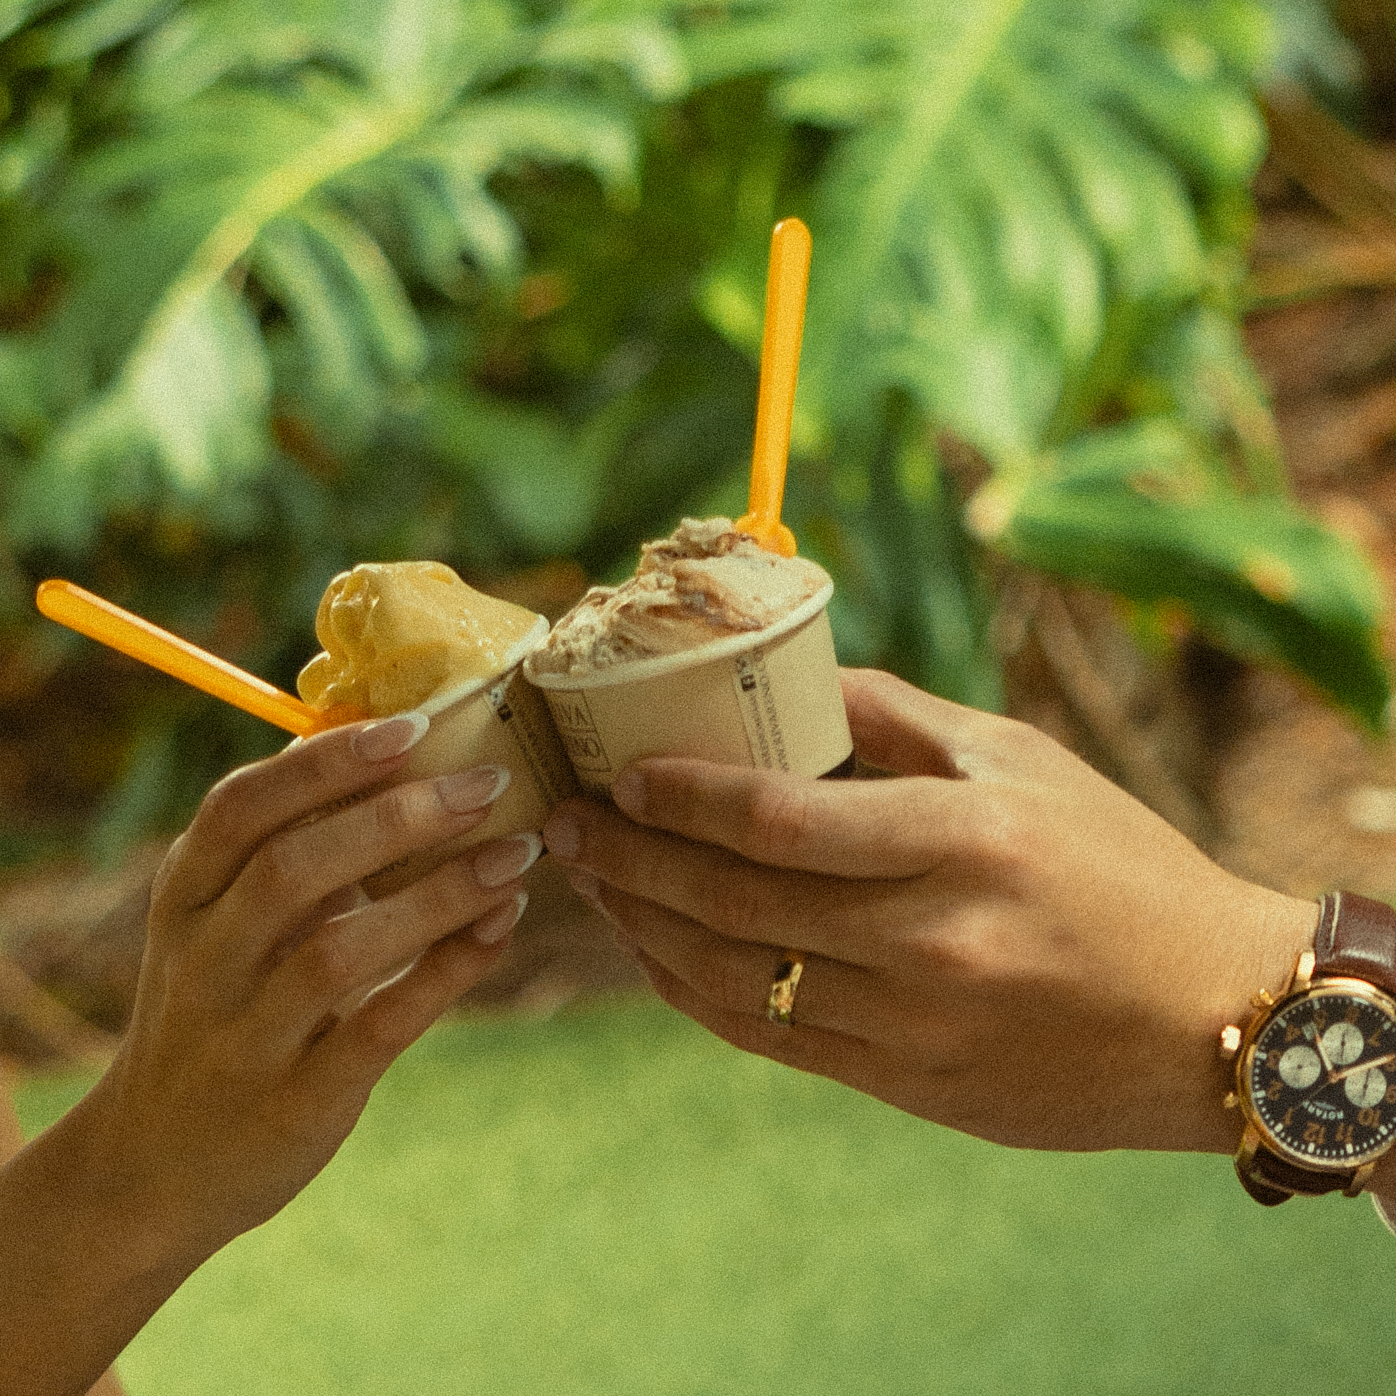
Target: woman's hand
<point>998,939</point>
<point>255,1041</point>
<point>257,1034</point>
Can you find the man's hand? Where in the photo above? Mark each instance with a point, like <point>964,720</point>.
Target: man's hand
<point>997,938</point>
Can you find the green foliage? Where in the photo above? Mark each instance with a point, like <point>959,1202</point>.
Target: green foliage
<point>286,286</point>
<point>1030,225</point>
<point>1131,511</point>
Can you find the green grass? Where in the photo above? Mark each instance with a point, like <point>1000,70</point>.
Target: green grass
<point>612,1202</point>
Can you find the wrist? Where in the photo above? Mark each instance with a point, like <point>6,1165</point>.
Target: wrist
<point>1383,1182</point>
<point>1263,932</point>
<point>135,1188</point>
<point>1383,1190</point>
<point>84,1166</point>
<point>85,1259</point>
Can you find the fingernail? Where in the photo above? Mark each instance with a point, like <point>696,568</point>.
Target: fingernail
<point>628,791</point>
<point>585,884</point>
<point>381,741</point>
<point>494,925</point>
<point>464,791</point>
<point>563,836</point>
<point>503,861</point>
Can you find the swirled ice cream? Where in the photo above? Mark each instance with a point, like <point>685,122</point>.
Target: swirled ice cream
<point>395,633</point>
<point>715,649</point>
<point>703,582</point>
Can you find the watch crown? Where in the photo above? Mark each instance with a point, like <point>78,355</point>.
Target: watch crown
<point>1230,1100</point>
<point>1262,1000</point>
<point>1230,1040</point>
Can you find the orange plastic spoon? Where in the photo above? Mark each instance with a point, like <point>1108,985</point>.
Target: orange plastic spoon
<point>99,620</point>
<point>786,283</point>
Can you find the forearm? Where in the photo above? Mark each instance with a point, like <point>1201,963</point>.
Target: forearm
<point>82,1264</point>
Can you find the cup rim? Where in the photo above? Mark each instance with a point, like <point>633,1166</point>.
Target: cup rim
<point>445,698</point>
<point>725,646</point>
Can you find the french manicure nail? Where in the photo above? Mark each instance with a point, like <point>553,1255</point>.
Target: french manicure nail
<point>628,791</point>
<point>381,741</point>
<point>501,862</point>
<point>464,791</point>
<point>494,925</point>
<point>563,836</point>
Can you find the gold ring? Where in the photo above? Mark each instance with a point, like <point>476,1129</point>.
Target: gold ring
<point>780,1006</point>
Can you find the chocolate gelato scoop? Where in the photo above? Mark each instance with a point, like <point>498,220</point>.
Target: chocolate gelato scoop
<point>703,582</point>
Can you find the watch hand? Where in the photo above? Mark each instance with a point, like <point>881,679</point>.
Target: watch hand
<point>1322,1055</point>
<point>1335,1076</point>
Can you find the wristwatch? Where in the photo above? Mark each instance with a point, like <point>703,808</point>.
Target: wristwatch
<point>1316,1068</point>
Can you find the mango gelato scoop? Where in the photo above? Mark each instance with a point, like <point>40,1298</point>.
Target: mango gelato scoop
<point>396,633</point>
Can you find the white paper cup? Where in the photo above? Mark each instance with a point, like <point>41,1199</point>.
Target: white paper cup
<point>768,698</point>
<point>496,721</point>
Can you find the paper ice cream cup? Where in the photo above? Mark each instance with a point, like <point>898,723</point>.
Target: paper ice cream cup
<point>495,721</point>
<point>768,698</point>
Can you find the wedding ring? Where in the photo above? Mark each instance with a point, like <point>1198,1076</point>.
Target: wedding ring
<point>780,1006</point>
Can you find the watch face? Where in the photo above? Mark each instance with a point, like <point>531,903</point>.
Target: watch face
<point>1321,1077</point>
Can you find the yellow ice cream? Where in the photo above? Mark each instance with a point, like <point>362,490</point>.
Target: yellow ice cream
<point>397,632</point>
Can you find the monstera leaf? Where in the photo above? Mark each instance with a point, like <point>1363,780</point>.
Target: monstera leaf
<point>289,283</point>
<point>1135,512</point>
<point>1018,186</point>
<point>331,189</point>
<point>1029,224</point>
<point>195,392</point>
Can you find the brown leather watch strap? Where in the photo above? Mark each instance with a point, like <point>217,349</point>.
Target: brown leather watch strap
<point>1272,1180</point>
<point>1356,936</point>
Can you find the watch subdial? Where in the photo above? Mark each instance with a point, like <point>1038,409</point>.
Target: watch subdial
<point>1366,1088</point>
<point>1300,1067</point>
<point>1343,1043</point>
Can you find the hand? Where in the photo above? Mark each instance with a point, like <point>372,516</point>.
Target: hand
<point>263,1019</point>
<point>256,1037</point>
<point>998,939</point>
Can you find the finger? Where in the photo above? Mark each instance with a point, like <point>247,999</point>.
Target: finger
<point>349,1058</point>
<point>899,728</point>
<point>736,977</point>
<point>740,899</point>
<point>845,828</point>
<point>347,957</point>
<point>246,807</point>
<point>224,970</point>
<point>846,1059</point>
<point>297,868</point>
